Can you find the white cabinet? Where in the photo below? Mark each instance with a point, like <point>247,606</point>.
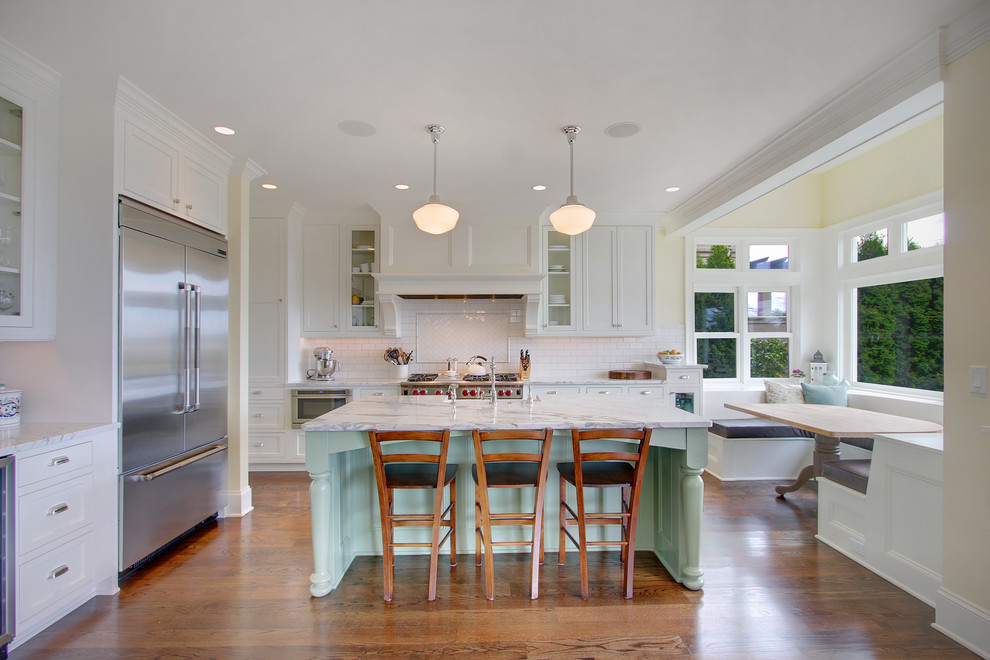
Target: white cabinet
<point>266,316</point>
<point>321,306</point>
<point>268,424</point>
<point>339,286</point>
<point>28,198</point>
<point>559,299</point>
<point>683,385</point>
<point>380,390</point>
<point>617,281</point>
<point>66,538</point>
<point>165,166</point>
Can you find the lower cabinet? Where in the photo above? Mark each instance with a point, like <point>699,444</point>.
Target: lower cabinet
<point>66,529</point>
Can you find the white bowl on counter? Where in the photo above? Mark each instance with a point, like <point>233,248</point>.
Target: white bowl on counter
<point>671,359</point>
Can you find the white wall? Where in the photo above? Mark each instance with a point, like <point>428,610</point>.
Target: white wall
<point>966,525</point>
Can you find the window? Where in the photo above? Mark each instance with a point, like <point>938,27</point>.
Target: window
<point>716,257</point>
<point>893,284</point>
<point>769,257</point>
<point>762,343</point>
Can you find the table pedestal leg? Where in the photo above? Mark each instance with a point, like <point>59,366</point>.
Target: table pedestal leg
<point>826,449</point>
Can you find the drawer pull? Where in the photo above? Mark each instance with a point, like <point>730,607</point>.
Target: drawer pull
<point>58,572</point>
<point>645,392</point>
<point>603,392</point>
<point>259,444</point>
<point>378,394</point>
<point>684,377</point>
<point>256,393</point>
<point>57,509</point>
<point>58,460</point>
<point>259,415</point>
<point>552,392</point>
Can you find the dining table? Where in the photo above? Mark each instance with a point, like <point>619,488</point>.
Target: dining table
<point>831,424</point>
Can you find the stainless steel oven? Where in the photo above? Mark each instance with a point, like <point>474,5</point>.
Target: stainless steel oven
<point>310,404</point>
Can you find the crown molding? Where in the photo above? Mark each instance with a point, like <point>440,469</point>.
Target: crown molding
<point>246,168</point>
<point>22,70</point>
<point>967,33</point>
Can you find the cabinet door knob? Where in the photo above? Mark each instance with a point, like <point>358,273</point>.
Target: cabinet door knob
<point>189,207</point>
<point>259,444</point>
<point>176,200</point>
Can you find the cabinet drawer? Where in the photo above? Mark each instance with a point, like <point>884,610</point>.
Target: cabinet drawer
<point>51,513</point>
<point>54,576</point>
<point>267,416</point>
<point>604,389</point>
<point>676,377</point>
<point>652,391</point>
<point>54,463</point>
<point>265,445</point>
<point>266,393</point>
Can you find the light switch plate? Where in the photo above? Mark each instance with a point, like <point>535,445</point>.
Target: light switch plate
<point>978,380</point>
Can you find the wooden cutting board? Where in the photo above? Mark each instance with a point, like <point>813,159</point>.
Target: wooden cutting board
<point>630,374</point>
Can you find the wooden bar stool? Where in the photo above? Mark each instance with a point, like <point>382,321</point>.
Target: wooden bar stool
<point>604,469</point>
<point>414,470</point>
<point>509,469</point>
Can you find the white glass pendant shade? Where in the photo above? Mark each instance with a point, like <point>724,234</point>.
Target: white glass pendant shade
<point>572,218</point>
<point>435,217</point>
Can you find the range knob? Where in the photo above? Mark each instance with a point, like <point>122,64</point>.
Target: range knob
<point>438,392</point>
<point>502,393</point>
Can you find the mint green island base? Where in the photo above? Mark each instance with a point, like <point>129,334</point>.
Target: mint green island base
<point>343,497</point>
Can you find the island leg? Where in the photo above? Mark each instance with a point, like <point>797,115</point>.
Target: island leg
<point>692,498</point>
<point>321,582</point>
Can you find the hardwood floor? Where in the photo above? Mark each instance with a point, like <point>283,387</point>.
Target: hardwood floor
<point>239,590</point>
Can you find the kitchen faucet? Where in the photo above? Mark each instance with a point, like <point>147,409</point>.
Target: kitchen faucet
<point>452,393</point>
<point>494,393</point>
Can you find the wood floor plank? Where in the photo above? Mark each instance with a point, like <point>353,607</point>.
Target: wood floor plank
<point>238,590</point>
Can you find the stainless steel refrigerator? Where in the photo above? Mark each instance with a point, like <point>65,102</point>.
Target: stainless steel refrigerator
<point>173,378</point>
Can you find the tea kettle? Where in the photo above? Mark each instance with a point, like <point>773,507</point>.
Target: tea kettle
<point>325,364</point>
<point>475,366</point>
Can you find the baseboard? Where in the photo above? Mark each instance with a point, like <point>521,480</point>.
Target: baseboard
<point>276,467</point>
<point>238,503</point>
<point>962,621</point>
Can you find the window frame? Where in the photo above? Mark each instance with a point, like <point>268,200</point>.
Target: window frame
<point>898,265</point>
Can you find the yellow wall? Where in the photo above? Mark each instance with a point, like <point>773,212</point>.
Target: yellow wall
<point>668,281</point>
<point>796,205</point>
<point>966,520</point>
<point>904,168</point>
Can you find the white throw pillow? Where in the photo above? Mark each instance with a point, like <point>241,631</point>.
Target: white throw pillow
<point>783,392</point>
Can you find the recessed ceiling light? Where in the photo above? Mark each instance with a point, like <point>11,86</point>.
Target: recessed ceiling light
<point>269,186</point>
<point>539,187</point>
<point>223,130</point>
<point>622,129</point>
<point>672,189</point>
<point>402,186</point>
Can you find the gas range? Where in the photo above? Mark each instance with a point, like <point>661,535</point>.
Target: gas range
<point>507,386</point>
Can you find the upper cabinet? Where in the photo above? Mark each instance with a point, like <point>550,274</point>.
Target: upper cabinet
<point>167,165</point>
<point>338,280</point>
<point>618,280</point>
<point>28,197</point>
<point>599,283</point>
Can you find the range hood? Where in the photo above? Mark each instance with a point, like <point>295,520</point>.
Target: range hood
<point>393,288</point>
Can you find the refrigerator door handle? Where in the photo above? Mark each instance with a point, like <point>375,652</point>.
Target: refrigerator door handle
<point>186,405</point>
<point>197,336</point>
<point>161,472</point>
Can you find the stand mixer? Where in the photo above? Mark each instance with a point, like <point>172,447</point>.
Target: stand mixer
<point>325,364</point>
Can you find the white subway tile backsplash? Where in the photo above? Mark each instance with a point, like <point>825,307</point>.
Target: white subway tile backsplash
<point>436,330</point>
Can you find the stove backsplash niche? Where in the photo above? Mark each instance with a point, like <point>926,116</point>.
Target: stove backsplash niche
<point>435,330</point>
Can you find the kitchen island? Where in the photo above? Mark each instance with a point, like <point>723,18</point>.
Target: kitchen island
<point>344,513</point>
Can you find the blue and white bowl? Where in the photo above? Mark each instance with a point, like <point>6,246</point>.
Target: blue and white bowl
<point>10,407</point>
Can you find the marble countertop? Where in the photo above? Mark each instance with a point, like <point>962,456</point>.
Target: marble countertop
<point>28,435</point>
<point>356,382</point>
<point>560,411</point>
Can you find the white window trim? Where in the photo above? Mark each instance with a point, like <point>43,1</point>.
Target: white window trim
<point>899,265</point>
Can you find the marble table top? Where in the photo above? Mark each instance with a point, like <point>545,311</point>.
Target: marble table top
<point>559,411</point>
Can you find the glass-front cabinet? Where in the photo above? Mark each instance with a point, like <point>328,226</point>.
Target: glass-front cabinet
<point>11,121</point>
<point>558,305</point>
<point>362,246</point>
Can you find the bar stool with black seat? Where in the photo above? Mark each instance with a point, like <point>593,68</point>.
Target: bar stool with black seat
<point>601,468</point>
<point>506,467</point>
<point>415,470</point>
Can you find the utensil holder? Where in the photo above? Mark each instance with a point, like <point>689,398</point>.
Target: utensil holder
<point>400,371</point>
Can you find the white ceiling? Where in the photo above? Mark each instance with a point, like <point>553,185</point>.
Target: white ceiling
<point>710,82</point>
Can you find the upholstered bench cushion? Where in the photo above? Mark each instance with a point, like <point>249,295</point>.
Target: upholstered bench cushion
<point>756,428</point>
<point>850,472</point>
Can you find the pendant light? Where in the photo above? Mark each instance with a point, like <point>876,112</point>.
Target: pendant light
<point>435,217</point>
<point>572,217</point>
